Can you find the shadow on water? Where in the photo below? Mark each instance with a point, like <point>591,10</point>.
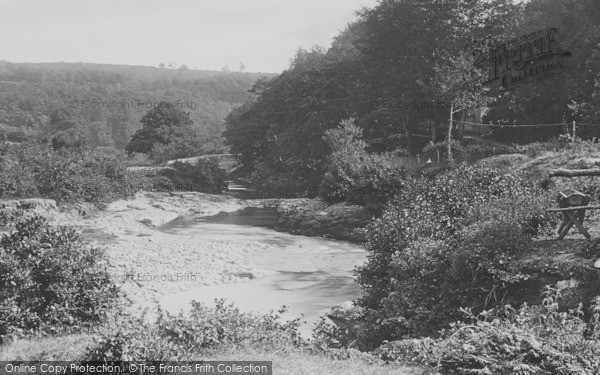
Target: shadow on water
<point>309,274</point>
<point>250,216</point>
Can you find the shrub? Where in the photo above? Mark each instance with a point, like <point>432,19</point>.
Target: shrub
<point>16,181</point>
<point>353,175</point>
<point>327,336</point>
<point>529,340</point>
<point>162,183</point>
<point>65,174</point>
<point>481,151</point>
<point>564,143</point>
<point>205,176</point>
<point>438,247</point>
<point>528,210</point>
<point>183,337</point>
<point>50,281</point>
<point>409,351</point>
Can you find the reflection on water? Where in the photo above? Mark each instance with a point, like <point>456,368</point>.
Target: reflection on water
<point>312,274</point>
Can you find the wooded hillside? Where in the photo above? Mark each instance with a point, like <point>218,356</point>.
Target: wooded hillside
<point>105,103</point>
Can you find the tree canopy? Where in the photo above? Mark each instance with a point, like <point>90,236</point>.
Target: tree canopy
<point>400,66</point>
<point>103,104</point>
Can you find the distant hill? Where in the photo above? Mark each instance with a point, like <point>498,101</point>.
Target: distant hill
<point>106,102</point>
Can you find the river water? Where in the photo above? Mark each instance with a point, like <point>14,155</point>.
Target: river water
<point>308,274</point>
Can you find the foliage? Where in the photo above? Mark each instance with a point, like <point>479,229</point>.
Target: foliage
<point>564,143</point>
<point>104,103</point>
<point>353,175</point>
<point>479,151</point>
<point>527,209</point>
<point>67,174</point>
<point>327,336</point>
<point>162,183</point>
<point>459,153</point>
<point>182,337</point>
<point>445,243</point>
<point>50,281</point>
<point>281,130</point>
<point>15,181</point>
<point>267,186</point>
<point>279,134</point>
<point>314,217</point>
<point>205,176</point>
<point>182,143</point>
<point>415,351</point>
<point>528,340</point>
<point>158,126</point>
<point>561,98</point>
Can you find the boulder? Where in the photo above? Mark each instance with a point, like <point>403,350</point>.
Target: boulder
<point>348,318</point>
<point>345,312</point>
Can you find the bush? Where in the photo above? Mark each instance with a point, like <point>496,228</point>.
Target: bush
<point>183,337</point>
<point>481,151</point>
<point>355,176</point>
<point>438,247</point>
<point>50,281</point>
<point>65,174</point>
<point>162,183</point>
<point>205,176</point>
<point>16,181</point>
<point>528,210</point>
<point>528,340</point>
<point>564,143</point>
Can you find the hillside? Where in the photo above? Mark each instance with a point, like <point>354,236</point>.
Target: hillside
<point>105,102</point>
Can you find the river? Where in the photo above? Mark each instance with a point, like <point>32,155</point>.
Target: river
<point>306,274</point>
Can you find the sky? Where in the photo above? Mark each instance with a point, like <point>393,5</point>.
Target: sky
<point>201,34</point>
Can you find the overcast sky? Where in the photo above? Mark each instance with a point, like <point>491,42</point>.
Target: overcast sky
<point>202,34</point>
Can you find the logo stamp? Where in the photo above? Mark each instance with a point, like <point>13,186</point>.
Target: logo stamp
<point>519,61</point>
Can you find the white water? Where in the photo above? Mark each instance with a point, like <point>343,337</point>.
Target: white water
<point>309,274</point>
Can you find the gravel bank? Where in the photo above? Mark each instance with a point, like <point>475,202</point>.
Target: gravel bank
<point>147,263</point>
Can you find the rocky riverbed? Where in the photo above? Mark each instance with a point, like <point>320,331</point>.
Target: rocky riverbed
<point>146,262</point>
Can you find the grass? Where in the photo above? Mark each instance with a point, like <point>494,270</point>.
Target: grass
<point>300,362</point>
<point>56,348</point>
<point>286,361</point>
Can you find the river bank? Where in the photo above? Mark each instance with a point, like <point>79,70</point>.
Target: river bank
<point>130,232</point>
<point>148,263</point>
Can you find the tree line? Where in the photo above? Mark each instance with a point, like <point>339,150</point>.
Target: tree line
<point>415,51</point>
<point>103,104</point>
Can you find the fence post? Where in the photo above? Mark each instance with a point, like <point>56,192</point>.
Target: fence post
<point>573,140</point>
<point>418,160</point>
<point>438,155</point>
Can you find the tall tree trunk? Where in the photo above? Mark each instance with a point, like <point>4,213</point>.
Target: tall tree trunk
<point>450,159</point>
<point>461,124</point>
